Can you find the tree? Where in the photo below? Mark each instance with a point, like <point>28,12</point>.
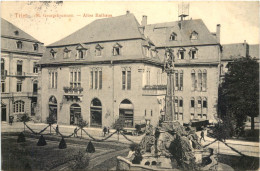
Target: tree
<point>81,124</point>
<point>24,118</point>
<point>239,92</point>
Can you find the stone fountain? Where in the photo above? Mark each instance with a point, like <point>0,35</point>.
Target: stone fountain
<point>170,146</point>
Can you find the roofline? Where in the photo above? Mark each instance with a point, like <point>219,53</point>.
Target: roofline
<point>162,47</point>
<point>17,38</point>
<point>215,63</point>
<point>52,46</point>
<point>141,60</point>
<point>171,22</point>
<point>21,52</point>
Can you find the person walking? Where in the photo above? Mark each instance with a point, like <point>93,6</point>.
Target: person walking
<point>105,131</point>
<point>11,119</point>
<point>57,129</point>
<point>76,132</point>
<point>202,135</point>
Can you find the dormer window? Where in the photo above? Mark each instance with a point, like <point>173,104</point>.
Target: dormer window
<point>98,50</point>
<point>154,52</point>
<point>116,49</point>
<point>19,45</point>
<point>173,36</point>
<point>181,53</point>
<point>16,33</point>
<point>194,35</point>
<point>35,47</point>
<point>66,53</point>
<point>81,51</point>
<point>193,53</point>
<point>53,53</point>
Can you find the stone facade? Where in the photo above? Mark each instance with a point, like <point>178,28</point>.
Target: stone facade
<point>19,72</point>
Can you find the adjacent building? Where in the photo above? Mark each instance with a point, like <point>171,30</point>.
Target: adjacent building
<point>20,54</point>
<point>197,54</point>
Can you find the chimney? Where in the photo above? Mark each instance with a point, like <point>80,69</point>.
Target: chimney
<point>218,33</point>
<point>127,12</point>
<point>144,20</point>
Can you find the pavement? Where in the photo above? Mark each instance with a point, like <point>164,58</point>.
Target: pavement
<point>244,147</point>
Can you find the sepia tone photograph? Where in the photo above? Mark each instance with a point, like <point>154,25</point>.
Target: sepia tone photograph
<point>130,85</point>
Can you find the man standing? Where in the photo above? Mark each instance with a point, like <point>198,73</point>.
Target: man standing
<point>202,135</point>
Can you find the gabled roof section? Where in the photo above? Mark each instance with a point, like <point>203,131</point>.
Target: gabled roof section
<point>107,29</point>
<point>160,33</point>
<point>233,51</point>
<point>12,31</point>
<point>81,46</point>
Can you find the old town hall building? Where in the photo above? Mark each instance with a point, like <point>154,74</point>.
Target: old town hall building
<point>113,68</point>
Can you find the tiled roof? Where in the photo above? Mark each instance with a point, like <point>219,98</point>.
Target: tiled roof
<point>160,33</point>
<point>233,51</point>
<point>8,29</point>
<point>254,51</point>
<point>107,29</point>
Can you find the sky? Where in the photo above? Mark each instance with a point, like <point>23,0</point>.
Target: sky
<point>239,20</point>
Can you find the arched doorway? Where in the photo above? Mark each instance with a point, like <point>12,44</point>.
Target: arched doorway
<point>96,113</point>
<point>3,111</point>
<point>53,108</point>
<point>75,114</point>
<point>126,111</point>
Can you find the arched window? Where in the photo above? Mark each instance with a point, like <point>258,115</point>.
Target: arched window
<point>193,80</point>
<point>204,80</point>
<point>80,54</point>
<point>173,36</point>
<point>199,102</point>
<point>181,53</point>
<point>199,80</point>
<point>126,112</point>
<point>18,106</point>
<point>96,113</point>
<point>193,53</point>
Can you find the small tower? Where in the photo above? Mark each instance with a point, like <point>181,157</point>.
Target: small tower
<point>183,10</point>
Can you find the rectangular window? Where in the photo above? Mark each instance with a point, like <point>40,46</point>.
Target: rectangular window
<point>116,51</point>
<point>19,68</point>
<point>91,80</point>
<point>128,80</point>
<point>98,52</point>
<point>193,81</point>
<point>100,79</point>
<point>180,116</point>
<point>176,81</point>
<point>181,55</point>
<point>192,103</point>
<point>151,112</point>
<point>19,86</point>
<point>181,81</point>
<point>35,68</point>
<point>53,76</point>
<point>204,81</point>
<point>3,86</point>
<point>199,103</point>
<point>193,54</point>
<point>181,103</point>
<point>96,79</point>
<point>123,79</point>
<point>199,81</point>
<point>205,105</point>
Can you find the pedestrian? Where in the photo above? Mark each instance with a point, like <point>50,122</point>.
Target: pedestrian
<point>57,129</point>
<point>105,131</point>
<point>108,130</point>
<point>76,132</point>
<point>202,135</point>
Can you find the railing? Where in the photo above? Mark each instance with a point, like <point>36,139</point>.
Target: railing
<point>72,90</point>
<point>20,74</point>
<point>154,90</point>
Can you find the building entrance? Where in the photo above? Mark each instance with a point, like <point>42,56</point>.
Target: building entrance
<point>96,113</point>
<point>3,111</point>
<point>126,112</point>
<point>53,108</point>
<point>75,114</point>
